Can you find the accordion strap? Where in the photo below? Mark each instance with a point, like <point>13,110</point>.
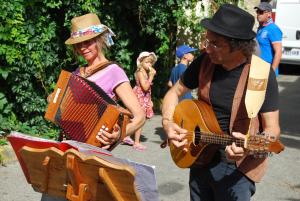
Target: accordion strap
<point>93,69</point>
<point>125,111</point>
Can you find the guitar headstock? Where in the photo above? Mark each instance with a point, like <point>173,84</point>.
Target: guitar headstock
<point>261,144</point>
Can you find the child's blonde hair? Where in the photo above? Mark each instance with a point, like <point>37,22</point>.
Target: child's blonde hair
<point>140,65</point>
<point>144,55</point>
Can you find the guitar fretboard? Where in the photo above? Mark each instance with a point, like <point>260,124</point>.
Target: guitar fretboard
<point>212,138</point>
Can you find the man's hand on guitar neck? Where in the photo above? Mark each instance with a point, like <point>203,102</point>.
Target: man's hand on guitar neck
<point>175,134</point>
<point>233,152</point>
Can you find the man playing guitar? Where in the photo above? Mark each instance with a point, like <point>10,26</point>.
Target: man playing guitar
<point>221,75</point>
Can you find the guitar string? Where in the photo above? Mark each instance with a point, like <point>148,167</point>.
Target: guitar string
<point>211,137</point>
<point>214,138</point>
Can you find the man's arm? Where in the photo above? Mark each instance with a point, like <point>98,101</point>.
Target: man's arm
<point>174,133</point>
<point>270,123</point>
<point>277,47</point>
<point>171,99</point>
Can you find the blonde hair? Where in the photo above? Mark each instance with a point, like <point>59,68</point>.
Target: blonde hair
<point>139,66</point>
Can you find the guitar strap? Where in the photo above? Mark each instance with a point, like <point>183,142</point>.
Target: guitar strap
<point>257,85</point>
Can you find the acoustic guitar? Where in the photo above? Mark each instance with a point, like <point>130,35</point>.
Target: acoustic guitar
<point>205,136</point>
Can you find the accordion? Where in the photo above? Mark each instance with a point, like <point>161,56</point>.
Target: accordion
<point>80,108</point>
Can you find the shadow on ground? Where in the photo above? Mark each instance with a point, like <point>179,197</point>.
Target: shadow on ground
<point>170,188</point>
<point>160,132</point>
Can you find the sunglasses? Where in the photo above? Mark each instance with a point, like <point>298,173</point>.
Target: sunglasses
<point>85,43</point>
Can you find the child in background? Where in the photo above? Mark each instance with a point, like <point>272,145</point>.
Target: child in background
<point>144,76</point>
<point>185,54</point>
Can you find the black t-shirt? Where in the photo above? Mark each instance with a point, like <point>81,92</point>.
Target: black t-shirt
<point>223,86</point>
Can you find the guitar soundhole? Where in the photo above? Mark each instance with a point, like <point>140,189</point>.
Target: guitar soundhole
<point>197,135</point>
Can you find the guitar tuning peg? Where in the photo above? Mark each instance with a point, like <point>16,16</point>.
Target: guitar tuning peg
<point>256,156</point>
<point>261,155</point>
<point>272,138</point>
<point>261,133</point>
<point>266,135</point>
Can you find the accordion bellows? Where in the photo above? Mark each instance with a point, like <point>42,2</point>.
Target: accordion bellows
<point>81,108</point>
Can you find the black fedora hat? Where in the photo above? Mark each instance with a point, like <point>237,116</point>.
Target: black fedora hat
<point>231,21</point>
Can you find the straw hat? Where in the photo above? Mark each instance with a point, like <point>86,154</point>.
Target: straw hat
<point>145,54</point>
<point>86,27</point>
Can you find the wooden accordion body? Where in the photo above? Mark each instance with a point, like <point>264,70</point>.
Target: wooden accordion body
<point>80,108</point>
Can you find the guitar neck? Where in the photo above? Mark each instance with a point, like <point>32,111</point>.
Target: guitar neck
<point>211,138</point>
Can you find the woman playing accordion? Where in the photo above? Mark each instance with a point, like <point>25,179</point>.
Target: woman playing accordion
<point>89,39</point>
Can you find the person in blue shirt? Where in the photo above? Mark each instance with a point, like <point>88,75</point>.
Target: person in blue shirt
<point>269,36</point>
<point>184,53</point>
